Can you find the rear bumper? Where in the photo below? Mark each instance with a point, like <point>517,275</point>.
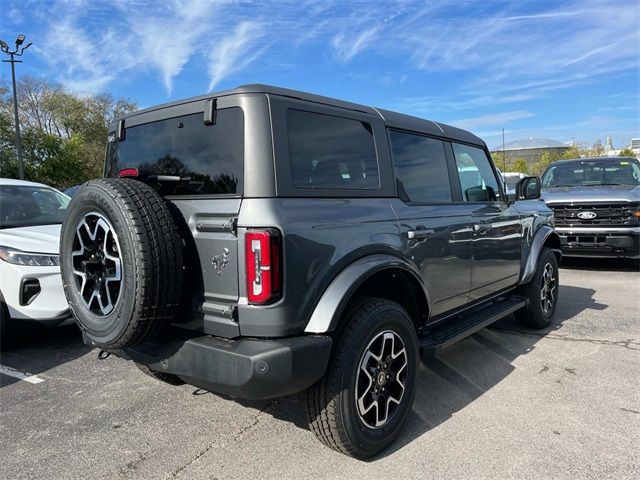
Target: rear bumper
<point>600,242</point>
<point>244,368</point>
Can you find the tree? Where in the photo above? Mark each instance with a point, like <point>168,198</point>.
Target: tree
<point>64,135</point>
<point>573,152</point>
<point>499,160</point>
<point>543,162</point>
<point>627,152</point>
<point>597,150</point>
<point>520,165</point>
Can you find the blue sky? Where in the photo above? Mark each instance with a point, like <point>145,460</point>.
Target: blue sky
<point>559,69</point>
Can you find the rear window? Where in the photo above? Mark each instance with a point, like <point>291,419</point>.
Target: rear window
<point>183,156</point>
<point>328,152</point>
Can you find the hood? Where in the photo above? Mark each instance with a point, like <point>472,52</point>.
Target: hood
<point>595,193</point>
<point>35,239</point>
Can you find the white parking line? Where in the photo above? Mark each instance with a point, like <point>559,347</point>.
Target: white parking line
<point>27,377</point>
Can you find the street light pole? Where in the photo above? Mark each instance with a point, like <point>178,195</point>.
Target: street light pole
<point>12,54</point>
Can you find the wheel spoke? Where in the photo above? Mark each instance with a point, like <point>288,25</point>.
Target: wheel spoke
<point>97,264</point>
<point>380,382</point>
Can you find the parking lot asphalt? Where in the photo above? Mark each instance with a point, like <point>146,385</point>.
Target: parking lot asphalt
<point>504,403</point>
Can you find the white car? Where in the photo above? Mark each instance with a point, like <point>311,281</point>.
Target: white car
<point>511,179</point>
<point>30,282</point>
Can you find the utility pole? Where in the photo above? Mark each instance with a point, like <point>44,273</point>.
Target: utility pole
<point>19,50</point>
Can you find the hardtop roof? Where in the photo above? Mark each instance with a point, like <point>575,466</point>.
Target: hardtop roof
<point>392,119</point>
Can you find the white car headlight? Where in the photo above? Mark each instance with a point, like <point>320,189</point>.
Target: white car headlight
<point>18,257</point>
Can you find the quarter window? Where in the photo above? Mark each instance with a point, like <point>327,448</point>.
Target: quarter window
<point>477,179</point>
<point>328,152</point>
<point>420,166</point>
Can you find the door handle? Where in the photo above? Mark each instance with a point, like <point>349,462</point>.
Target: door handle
<point>420,233</point>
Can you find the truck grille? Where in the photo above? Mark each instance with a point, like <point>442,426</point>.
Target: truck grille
<point>606,214</point>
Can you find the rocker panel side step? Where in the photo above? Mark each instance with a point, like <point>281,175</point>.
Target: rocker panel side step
<point>455,329</point>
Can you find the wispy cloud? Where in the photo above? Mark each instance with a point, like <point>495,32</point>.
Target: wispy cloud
<point>346,45</point>
<point>235,52</point>
<point>493,119</point>
<point>498,54</point>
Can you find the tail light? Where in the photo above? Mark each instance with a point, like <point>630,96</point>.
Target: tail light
<point>264,281</point>
<point>128,172</point>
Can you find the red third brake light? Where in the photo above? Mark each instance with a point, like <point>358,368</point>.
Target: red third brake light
<point>262,250</point>
<point>128,172</point>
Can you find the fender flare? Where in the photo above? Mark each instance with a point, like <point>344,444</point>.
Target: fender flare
<point>539,239</point>
<point>328,310</point>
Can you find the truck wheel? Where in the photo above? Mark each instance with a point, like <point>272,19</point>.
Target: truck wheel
<point>542,292</point>
<point>163,377</point>
<point>360,405</point>
<point>121,262</point>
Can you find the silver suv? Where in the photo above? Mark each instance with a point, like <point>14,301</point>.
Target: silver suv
<point>596,202</point>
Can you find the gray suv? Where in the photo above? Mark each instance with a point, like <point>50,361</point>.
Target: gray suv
<point>260,242</point>
<point>596,202</point>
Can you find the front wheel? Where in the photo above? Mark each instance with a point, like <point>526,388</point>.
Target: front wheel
<point>359,407</point>
<point>542,292</point>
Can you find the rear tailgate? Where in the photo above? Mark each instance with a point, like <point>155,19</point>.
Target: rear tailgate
<point>212,259</point>
<point>199,168</point>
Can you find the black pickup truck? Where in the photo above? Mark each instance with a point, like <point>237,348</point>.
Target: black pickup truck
<point>260,242</point>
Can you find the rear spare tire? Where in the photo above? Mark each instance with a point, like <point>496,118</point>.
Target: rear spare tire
<point>121,262</point>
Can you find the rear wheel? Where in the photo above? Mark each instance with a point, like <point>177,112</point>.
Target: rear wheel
<point>359,407</point>
<point>542,292</point>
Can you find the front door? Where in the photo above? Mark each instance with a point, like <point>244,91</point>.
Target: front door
<point>436,232</point>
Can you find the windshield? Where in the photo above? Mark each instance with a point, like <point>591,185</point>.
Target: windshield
<point>592,172</point>
<point>28,205</point>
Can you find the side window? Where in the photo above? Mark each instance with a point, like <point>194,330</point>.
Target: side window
<point>420,165</point>
<point>328,152</point>
<point>477,180</point>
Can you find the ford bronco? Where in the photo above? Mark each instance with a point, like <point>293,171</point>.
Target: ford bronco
<point>260,242</point>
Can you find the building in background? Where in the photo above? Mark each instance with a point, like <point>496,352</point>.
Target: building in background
<point>635,146</point>
<point>530,149</point>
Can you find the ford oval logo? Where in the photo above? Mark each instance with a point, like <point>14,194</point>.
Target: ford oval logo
<point>587,215</point>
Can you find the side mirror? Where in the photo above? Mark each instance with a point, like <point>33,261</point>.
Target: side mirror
<point>528,188</point>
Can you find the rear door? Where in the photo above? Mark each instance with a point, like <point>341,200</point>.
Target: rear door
<point>200,168</point>
<point>496,225</point>
<point>436,232</point>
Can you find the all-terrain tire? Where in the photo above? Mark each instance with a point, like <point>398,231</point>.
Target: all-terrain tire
<point>145,238</point>
<point>539,312</point>
<point>332,404</point>
<point>163,377</point>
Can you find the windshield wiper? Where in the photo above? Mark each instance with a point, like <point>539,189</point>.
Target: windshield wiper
<point>614,183</point>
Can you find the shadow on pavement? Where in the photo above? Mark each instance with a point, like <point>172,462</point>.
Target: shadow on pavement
<point>34,349</point>
<point>603,264</point>
<point>453,379</point>
<point>459,375</point>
